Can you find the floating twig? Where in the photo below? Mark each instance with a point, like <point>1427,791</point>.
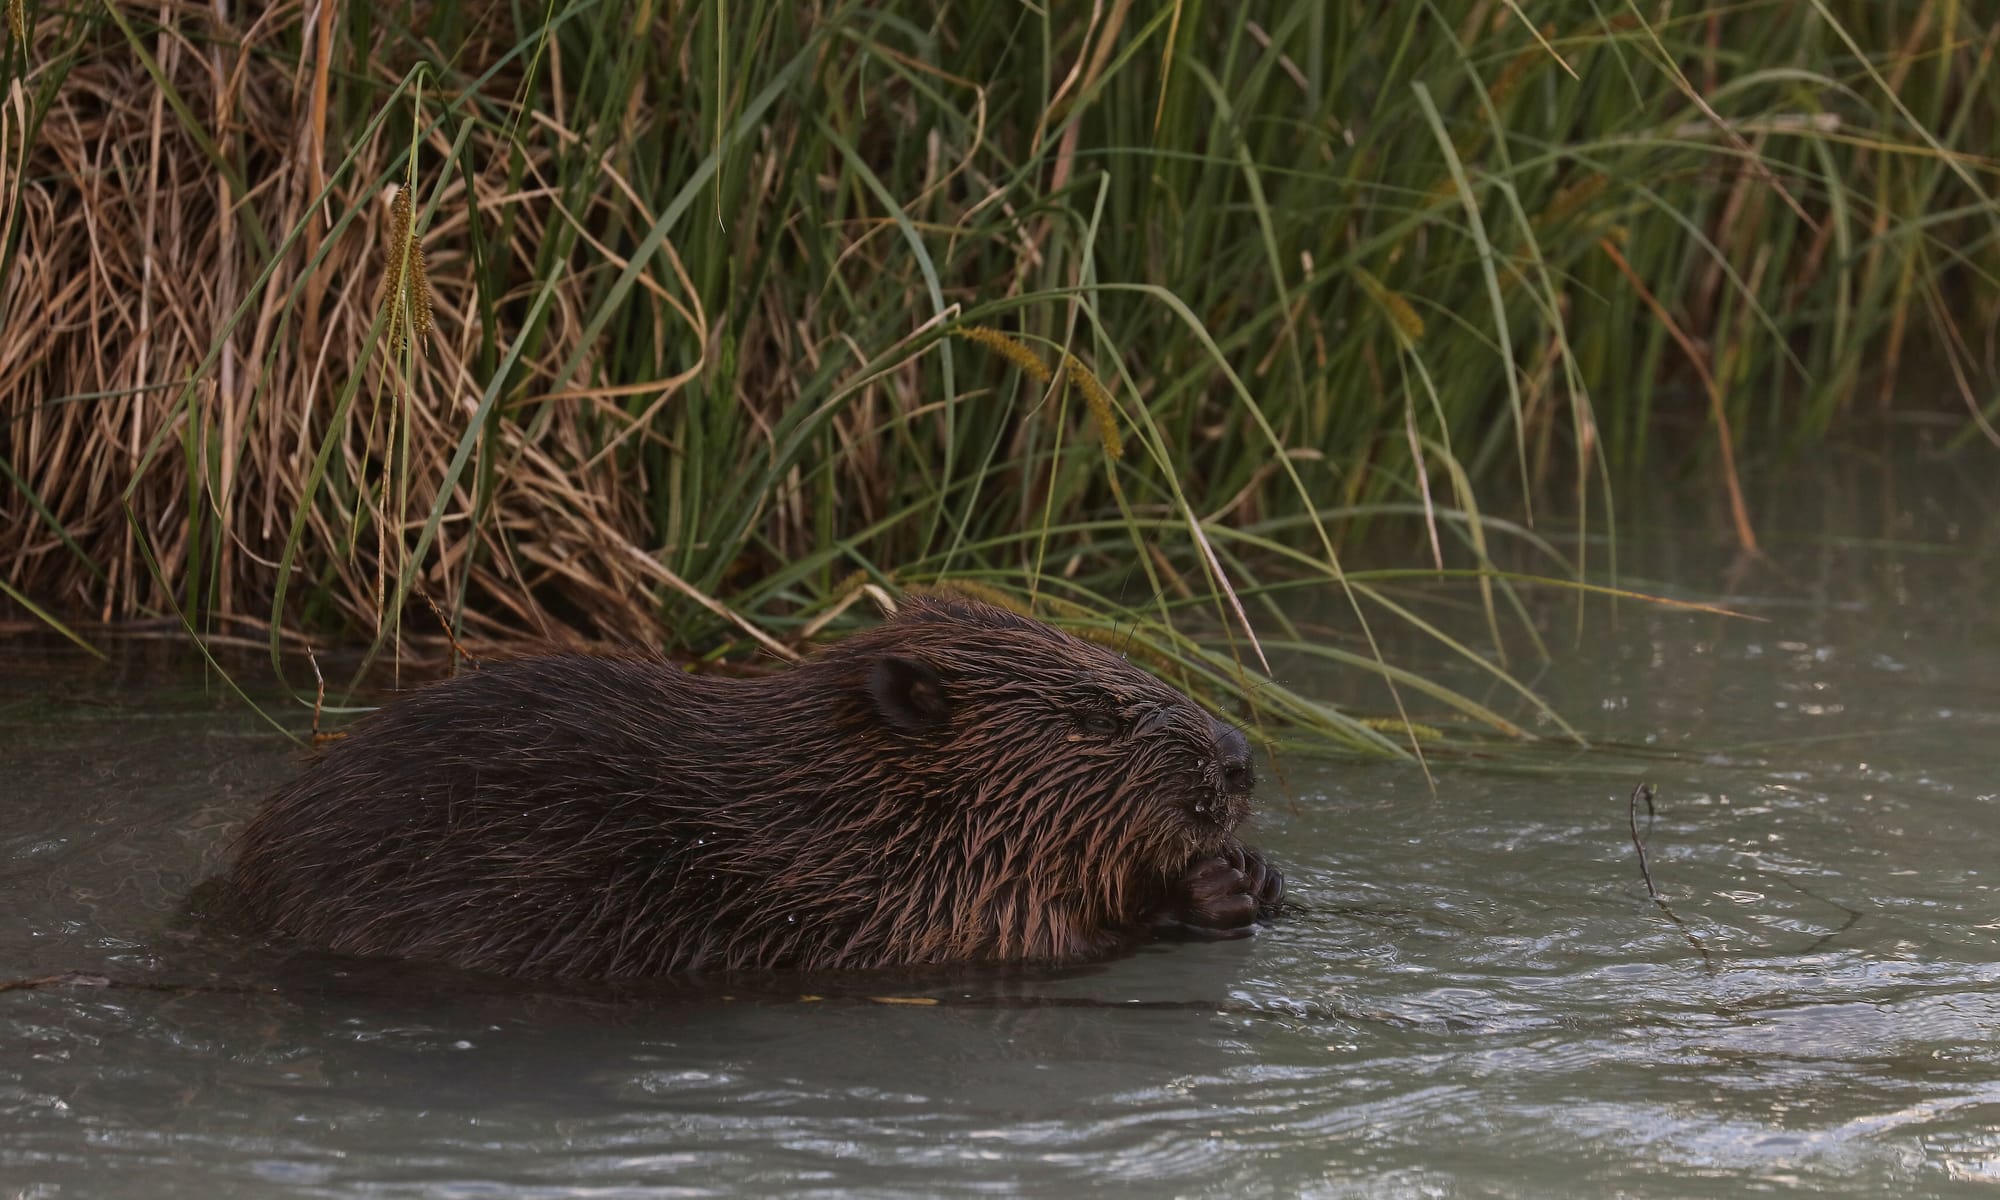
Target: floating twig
<point>319,702</point>
<point>444,624</point>
<point>1854,915</point>
<point>1645,790</point>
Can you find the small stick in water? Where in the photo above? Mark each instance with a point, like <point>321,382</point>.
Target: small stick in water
<point>444,625</point>
<point>319,702</point>
<point>1645,790</point>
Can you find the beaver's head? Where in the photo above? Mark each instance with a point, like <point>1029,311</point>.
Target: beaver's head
<point>1060,738</point>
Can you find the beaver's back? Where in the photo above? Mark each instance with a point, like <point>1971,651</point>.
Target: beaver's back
<point>530,817</point>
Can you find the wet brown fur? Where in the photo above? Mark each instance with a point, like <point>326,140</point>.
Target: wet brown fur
<point>958,784</point>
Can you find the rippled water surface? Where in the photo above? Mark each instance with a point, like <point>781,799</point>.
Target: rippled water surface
<point>1479,998</point>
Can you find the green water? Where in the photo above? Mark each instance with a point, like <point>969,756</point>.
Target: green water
<point>1479,998</point>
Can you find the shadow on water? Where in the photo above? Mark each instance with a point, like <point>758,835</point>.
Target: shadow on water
<point>1478,994</point>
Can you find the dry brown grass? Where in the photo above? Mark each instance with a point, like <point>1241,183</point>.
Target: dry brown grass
<point>125,387</point>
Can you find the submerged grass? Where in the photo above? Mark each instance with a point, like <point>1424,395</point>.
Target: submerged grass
<point>635,322</point>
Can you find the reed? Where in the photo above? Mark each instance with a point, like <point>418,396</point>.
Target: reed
<point>587,321</point>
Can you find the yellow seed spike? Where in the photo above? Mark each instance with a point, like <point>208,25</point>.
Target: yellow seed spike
<point>1123,642</point>
<point>1401,314</point>
<point>17,20</point>
<point>972,589</point>
<point>1524,63</point>
<point>389,295</point>
<point>1423,733</point>
<point>1572,198</point>
<point>1009,347</point>
<point>852,583</point>
<point>1083,380</point>
<point>420,292</point>
<point>405,295</point>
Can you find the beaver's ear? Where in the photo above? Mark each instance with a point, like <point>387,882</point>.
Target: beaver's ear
<point>908,694</point>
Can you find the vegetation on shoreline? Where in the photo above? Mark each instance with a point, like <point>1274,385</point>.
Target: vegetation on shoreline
<point>733,313</point>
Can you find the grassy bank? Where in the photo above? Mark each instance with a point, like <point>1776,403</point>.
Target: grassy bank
<point>732,312</point>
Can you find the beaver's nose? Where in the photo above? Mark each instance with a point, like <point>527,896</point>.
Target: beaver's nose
<point>1232,758</point>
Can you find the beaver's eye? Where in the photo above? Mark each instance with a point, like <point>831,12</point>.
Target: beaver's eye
<point>1097,722</point>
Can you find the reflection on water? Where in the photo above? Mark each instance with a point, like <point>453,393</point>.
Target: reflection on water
<point>1478,998</point>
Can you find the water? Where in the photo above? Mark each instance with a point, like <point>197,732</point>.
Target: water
<point>1480,998</point>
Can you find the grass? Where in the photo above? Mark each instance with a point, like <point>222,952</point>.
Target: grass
<point>1141,314</point>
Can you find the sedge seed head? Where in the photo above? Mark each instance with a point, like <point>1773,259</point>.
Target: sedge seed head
<point>405,295</point>
<point>1009,347</point>
<point>1400,312</point>
<point>1099,401</point>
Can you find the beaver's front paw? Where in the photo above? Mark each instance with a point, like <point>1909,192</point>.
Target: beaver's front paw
<point>1224,896</point>
<point>1216,898</point>
<point>1260,879</point>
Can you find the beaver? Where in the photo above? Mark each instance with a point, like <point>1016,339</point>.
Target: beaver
<point>958,784</point>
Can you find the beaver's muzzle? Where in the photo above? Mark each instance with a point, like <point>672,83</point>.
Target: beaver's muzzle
<point>1235,774</point>
<point>1224,800</point>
